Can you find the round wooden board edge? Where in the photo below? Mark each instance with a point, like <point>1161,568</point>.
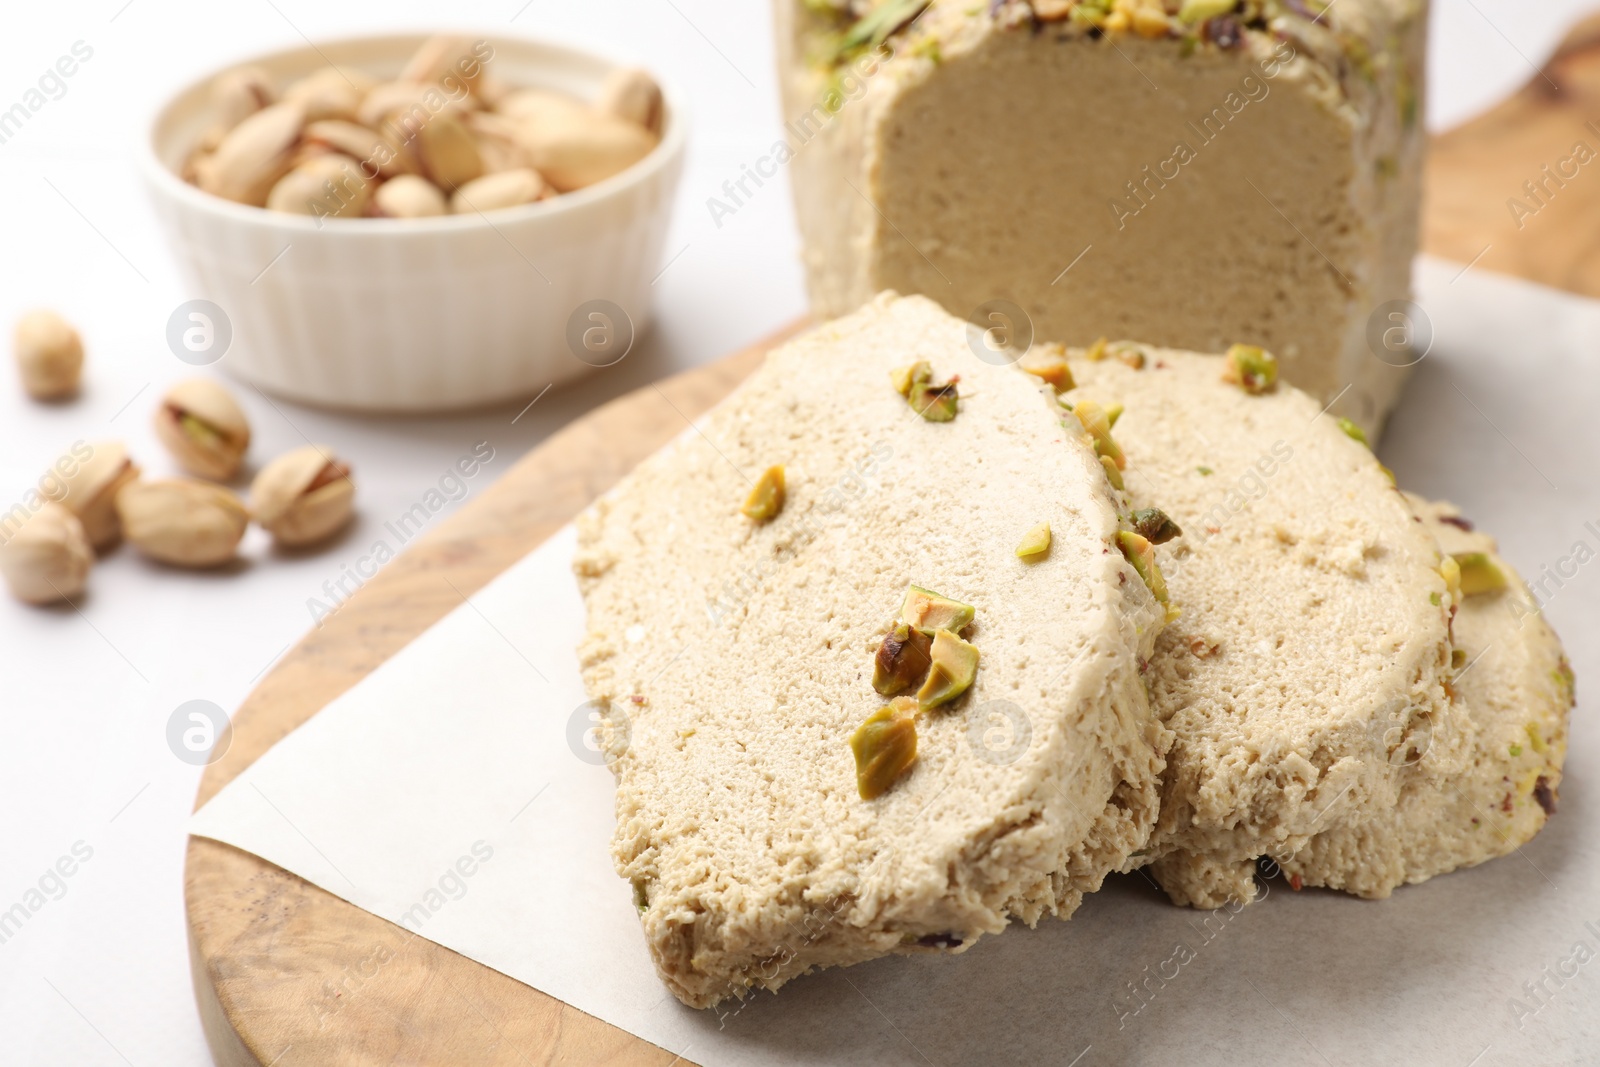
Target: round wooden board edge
<point>243,912</point>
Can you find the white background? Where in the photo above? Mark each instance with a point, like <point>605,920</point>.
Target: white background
<point>100,976</point>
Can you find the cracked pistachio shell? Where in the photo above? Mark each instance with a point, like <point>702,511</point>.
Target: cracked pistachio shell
<point>445,58</point>
<point>510,188</point>
<point>375,152</point>
<point>542,107</point>
<point>497,142</point>
<point>330,93</point>
<point>329,186</point>
<point>303,496</point>
<point>583,148</point>
<point>408,197</point>
<point>182,522</point>
<point>448,152</point>
<point>49,355</point>
<point>632,94</point>
<point>235,96</point>
<point>399,109</point>
<point>253,156</point>
<point>48,557</point>
<point>204,428</point>
<point>91,491</point>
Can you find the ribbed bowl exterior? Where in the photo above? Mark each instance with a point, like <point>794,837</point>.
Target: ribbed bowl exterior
<point>428,314</point>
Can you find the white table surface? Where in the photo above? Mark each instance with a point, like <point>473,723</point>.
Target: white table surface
<point>99,974</point>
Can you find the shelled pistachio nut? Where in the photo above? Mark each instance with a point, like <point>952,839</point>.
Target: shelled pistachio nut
<point>509,188</point>
<point>48,557</point>
<point>885,747</point>
<point>204,428</point>
<point>408,197</point>
<point>1252,369</point>
<point>330,93</point>
<point>254,155</point>
<point>328,186</point>
<point>448,152</point>
<point>182,522</point>
<point>376,154</point>
<point>91,491</point>
<point>582,149</point>
<point>630,93</point>
<point>49,355</point>
<point>304,496</point>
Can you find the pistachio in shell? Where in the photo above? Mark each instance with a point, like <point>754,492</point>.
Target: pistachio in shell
<point>253,156</point>
<point>204,428</point>
<point>377,156</point>
<point>304,496</point>
<point>409,197</point>
<point>326,186</point>
<point>48,557</point>
<point>632,94</point>
<point>236,95</point>
<point>91,491</point>
<point>182,522</point>
<point>542,107</point>
<point>583,148</point>
<point>447,151</point>
<point>49,355</point>
<point>332,93</point>
<point>447,59</point>
<point>510,188</point>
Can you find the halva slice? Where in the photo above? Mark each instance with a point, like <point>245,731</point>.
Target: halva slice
<point>860,724</point>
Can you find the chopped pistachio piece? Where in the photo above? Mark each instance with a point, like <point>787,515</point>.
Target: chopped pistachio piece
<point>1098,423</point>
<point>1131,357</point>
<point>1352,431</point>
<point>1154,526</point>
<point>1204,472</point>
<point>1036,541</point>
<point>1194,11</point>
<point>955,664</point>
<point>1479,573</point>
<point>766,499</point>
<point>1514,748</point>
<point>1142,555</point>
<point>1450,571</point>
<point>1458,658</point>
<point>1113,413</point>
<point>1097,351</point>
<point>1053,369</point>
<point>1252,369</point>
<point>885,746</point>
<point>930,612</point>
<point>911,374</point>
<point>901,661</point>
<point>1113,475</point>
<point>936,403</point>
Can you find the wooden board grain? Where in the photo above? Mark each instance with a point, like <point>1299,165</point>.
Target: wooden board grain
<point>286,973</point>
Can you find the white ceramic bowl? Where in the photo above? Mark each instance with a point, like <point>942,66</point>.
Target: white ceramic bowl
<point>420,314</point>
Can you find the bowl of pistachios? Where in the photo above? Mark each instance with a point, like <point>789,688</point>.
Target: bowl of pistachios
<point>414,223</point>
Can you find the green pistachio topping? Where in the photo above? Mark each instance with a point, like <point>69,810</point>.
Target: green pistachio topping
<point>930,612</point>
<point>1252,369</point>
<point>1479,573</point>
<point>1154,526</point>
<point>955,664</point>
<point>1352,431</point>
<point>885,747</point>
<point>902,660</point>
<point>1113,475</point>
<point>1142,555</point>
<point>1036,542</point>
<point>767,498</point>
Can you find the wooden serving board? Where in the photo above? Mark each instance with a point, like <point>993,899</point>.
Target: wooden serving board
<point>287,974</point>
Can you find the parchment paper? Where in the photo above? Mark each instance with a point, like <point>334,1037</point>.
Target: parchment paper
<point>468,744</point>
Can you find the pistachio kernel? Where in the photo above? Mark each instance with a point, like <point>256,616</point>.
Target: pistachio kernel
<point>1141,554</point>
<point>1096,351</point>
<point>1194,11</point>
<point>1458,658</point>
<point>768,496</point>
<point>1352,431</point>
<point>1113,413</point>
<point>955,664</point>
<point>1036,542</point>
<point>885,747</point>
<point>936,403</point>
<point>911,374</point>
<point>1252,369</point>
<point>1113,475</point>
<point>902,659</point>
<point>1131,358</point>
<point>1098,424</point>
<point>1154,526</point>
<point>930,612</point>
<point>1479,573</point>
<point>1053,369</point>
<point>1450,571</point>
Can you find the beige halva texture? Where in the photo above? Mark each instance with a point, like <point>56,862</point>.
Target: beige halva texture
<point>1306,681</point>
<point>1518,689</point>
<point>734,660</point>
<point>1249,178</point>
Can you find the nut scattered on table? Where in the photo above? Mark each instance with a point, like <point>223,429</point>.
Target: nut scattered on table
<point>332,143</point>
<point>304,496</point>
<point>49,355</point>
<point>204,428</point>
<point>48,557</point>
<point>91,491</point>
<point>182,522</point>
